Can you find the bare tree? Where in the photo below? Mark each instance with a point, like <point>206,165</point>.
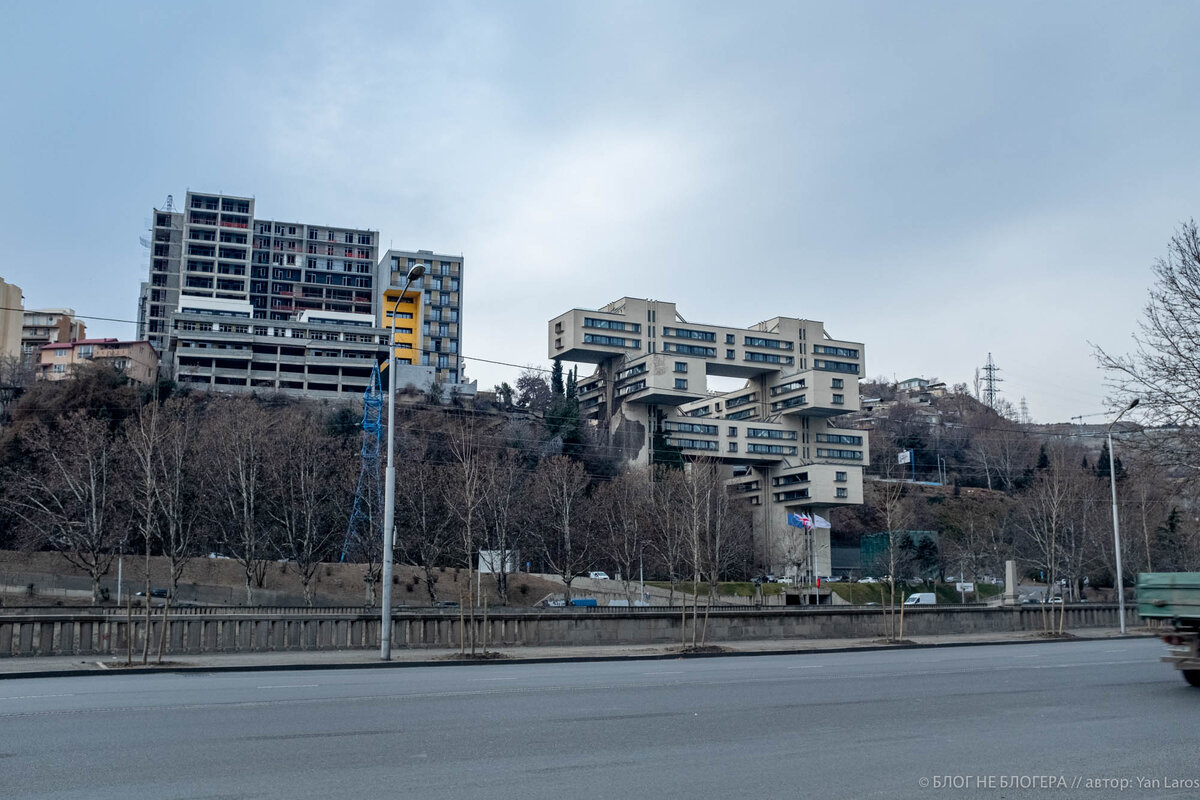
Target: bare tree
<point>567,542</point>
<point>305,475</point>
<point>142,440</point>
<point>890,499</point>
<point>65,496</point>
<point>235,441</point>
<point>177,485</point>
<point>466,491</point>
<point>668,530</point>
<point>1048,509</point>
<point>504,481</point>
<point>1163,372</point>
<point>623,509</point>
<point>424,512</point>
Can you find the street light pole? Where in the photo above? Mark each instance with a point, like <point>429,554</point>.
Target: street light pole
<point>389,481</point>
<point>1112,475</point>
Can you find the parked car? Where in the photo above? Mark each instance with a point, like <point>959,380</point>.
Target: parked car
<point>597,575</point>
<point>446,604</point>
<point>867,580</point>
<point>921,599</point>
<point>154,593</point>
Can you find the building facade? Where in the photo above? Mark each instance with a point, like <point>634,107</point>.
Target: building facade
<point>429,317</point>
<point>12,305</point>
<point>48,326</point>
<point>778,435</point>
<point>226,287</point>
<point>137,360</point>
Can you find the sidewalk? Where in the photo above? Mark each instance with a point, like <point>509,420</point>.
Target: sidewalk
<point>334,659</point>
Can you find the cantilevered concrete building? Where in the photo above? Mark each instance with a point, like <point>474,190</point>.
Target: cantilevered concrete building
<point>777,434</point>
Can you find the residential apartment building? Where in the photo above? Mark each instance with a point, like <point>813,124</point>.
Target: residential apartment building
<point>12,305</point>
<point>48,326</point>
<point>429,317</point>
<point>225,287</point>
<point>778,435</point>
<point>137,360</point>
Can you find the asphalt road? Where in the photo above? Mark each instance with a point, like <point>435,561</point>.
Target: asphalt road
<point>950,723</point>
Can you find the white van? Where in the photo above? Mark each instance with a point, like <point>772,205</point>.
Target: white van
<point>598,576</point>
<point>921,599</point>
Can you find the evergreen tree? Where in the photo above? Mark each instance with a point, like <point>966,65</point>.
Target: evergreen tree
<point>572,383</point>
<point>556,380</point>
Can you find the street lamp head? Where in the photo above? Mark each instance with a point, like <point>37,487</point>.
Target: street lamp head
<point>1136,400</point>
<point>415,271</point>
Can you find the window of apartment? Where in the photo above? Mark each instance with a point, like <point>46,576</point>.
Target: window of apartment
<point>838,383</point>
<point>747,414</point>
<point>844,352</point>
<point>690,427</point>
<point>729,338</point>
<point>729,354</point>
<point>688,349</point>
<point>681,383</point>
<point>681,366</point>
<point>840,477</point>
<point>349,238</point>
<point>837,438</point>
<point>610,324</point>
<point>834,366</point>
<point>842,492</point>
<point>839,399</point>
<point>695,444</point>
<point>688,333</point>
<point>768,358</point>
<point>60,368</point>
<point>733,447</point>
<point>787,387</point>
<point>770,433</point>
<point>770,344</point>
<point>853,455</point>
<point>85,351</point>
<point>771,449</point>
<point>791,402</point>
<point>610,341</point>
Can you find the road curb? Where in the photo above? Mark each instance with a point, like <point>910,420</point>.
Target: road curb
<point>318,667</point>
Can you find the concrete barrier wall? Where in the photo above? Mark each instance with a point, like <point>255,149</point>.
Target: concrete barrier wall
<point>98,635</point>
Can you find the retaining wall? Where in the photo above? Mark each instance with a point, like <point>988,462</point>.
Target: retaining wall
<point>101,634</point>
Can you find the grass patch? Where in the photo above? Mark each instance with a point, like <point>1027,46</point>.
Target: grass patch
<point>863,593</point>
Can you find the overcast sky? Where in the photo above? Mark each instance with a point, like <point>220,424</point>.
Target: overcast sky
<point>936,180</point>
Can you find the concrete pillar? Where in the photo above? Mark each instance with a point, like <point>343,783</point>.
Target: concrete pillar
<point>1011,598</point>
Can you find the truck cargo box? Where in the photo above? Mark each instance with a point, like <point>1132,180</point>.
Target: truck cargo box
<point>1169,595</point>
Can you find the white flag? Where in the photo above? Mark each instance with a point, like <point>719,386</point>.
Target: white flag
<point>820,522</point>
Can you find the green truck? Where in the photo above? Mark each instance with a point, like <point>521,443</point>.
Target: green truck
<point>1174,598</point>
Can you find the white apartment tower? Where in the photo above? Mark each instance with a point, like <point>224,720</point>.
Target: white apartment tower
<point>777,434</point>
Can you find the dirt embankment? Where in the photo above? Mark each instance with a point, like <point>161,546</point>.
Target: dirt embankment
<point>221,581</point>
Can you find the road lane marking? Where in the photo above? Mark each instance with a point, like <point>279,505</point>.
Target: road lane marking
<point>290,686</point>
<point>35,696</point>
